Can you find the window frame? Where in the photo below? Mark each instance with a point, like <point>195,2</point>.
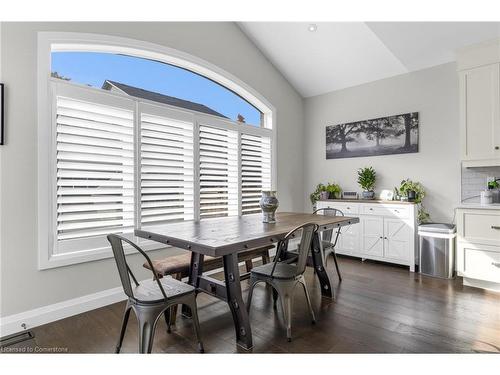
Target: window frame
<point>53,41</point>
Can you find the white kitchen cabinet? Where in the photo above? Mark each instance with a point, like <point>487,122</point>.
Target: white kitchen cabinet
<point>479,90</point>
<point>386,231</point>
<point>480,112</point>
<point>478,247</point>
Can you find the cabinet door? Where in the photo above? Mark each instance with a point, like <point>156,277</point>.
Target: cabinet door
<point>349,239</point>
<point>372,236</point>
<point>397,239</point>
<point>480,262</point>
<point>480,112</point>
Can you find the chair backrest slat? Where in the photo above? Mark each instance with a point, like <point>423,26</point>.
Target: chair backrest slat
<point>327,235</point>
<point>116,242</point>
<point>305,246</point>
<point>306,231</point>
<point>121,264</point>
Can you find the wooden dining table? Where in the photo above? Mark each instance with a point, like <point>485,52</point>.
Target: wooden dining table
<point>227,236</point>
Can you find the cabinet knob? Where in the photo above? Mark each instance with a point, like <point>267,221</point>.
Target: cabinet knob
<point>381,237</point>
<point>496,264</point>
<point>496,147</point>
<point>495,227</point>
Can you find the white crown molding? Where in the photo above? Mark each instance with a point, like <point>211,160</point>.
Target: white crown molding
<point>478,54</point>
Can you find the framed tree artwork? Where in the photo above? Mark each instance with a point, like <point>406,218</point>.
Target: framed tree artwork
<point>396,134</point>
<point>1,114</point>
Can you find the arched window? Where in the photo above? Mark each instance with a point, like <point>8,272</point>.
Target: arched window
<point>139,138</point>
<point>155,81</point>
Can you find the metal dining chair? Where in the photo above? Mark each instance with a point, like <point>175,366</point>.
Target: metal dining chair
<point>328,235</point>
<point>150,299</point>
<point>284,277</point>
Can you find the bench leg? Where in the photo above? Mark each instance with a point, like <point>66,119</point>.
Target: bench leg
<point>248,264</point>
<point>265,257</point>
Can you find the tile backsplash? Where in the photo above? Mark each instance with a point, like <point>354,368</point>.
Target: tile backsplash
<point>474,180</point>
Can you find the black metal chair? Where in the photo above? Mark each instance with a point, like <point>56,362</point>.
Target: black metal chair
<point>283,277</point>
<point>150,299</point>
<point>327,236</point>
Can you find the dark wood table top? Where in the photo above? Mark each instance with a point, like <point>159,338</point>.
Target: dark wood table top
<point>226,235</point>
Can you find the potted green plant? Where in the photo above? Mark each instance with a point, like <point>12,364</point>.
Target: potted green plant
<point>413,192</point>
<point>366,179</point>
<point>494,187</point>
<point>316,194</point>
<point>333,190</point>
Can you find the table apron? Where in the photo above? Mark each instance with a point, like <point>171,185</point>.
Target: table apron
<point>213,287</point>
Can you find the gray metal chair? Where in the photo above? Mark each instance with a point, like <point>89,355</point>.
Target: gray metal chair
<point>150,299</point>
<point>327,237</point>
<point>283,277</point>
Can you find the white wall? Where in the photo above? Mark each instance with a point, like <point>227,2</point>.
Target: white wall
<point>23,287</point>
<point>434,94</point>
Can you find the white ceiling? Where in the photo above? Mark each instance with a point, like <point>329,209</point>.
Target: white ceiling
<point>344,54</point>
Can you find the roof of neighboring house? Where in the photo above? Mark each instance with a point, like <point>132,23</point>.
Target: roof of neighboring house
<point>160,98</point>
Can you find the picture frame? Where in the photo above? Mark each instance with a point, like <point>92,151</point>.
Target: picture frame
<point>389,135</point>
<point>1,113</point>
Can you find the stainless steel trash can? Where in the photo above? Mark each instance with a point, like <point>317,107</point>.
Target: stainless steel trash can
<point>437,249</point>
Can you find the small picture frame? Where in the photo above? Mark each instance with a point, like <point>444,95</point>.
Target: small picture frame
<point>387,195</point>
<point>1,114</point>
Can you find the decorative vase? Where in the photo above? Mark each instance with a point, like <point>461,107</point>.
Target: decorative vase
<point>269,203</point>
<point>324,195</point>
<point>368,194</point>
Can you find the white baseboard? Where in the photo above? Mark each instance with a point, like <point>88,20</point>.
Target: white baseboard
<point>14,323</point>
<point>488,285</point>
<point>33,318</point>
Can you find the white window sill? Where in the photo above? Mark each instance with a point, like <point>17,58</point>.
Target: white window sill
<point>67,259</point>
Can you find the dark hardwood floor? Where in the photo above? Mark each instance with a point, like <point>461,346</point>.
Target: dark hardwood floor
<point>379,308</point>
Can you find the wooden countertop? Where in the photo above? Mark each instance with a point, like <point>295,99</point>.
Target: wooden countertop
<point>377,201</point>
<point>478,206</point>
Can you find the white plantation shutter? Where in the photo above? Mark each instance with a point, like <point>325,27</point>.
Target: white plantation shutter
<point>255,171</point>
<point>121,162</point>
<point>218,172</point>
<point>167,170</point>
<point>95,169</point>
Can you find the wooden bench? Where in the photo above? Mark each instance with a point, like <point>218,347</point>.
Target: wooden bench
<point>177,266</point>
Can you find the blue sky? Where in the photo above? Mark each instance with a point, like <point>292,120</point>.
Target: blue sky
<point>94,68</point>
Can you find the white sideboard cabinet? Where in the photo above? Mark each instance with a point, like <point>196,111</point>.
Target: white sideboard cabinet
<point>386,230</point>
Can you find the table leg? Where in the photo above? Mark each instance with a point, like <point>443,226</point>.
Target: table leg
<point>235,301</point>
<point>319,267</point>
<point>195,270</point>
